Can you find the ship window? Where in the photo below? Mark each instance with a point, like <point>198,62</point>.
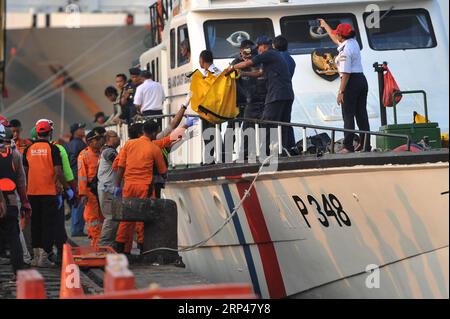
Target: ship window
<point>184,48</point>
<point>401,30</point>
<point>223,37</point>
<point>304,38</point>
<point>172,48</point>
<point>157,70</point>
<point>153,70</point>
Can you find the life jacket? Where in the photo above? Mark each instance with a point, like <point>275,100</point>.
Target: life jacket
<point>8,177</point>
<point>41,172</point>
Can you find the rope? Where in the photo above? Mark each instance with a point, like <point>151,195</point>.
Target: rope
<point>234,212</point>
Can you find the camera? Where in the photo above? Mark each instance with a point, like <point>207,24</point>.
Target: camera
<point>314,23</point>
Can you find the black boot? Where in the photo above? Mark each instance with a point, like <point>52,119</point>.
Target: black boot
<point>140,246</point>
<point>119,247</point>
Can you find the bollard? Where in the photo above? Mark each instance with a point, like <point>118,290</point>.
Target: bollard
<point>117,275</point>
<point>30,285</point>
<point>160,225</point>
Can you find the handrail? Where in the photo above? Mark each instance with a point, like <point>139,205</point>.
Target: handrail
<point>303,126</point>
<point>399,93</point>
<point>175,96</point>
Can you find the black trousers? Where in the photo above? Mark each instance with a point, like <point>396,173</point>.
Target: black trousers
<point>60,230</point>
<point>355,107</point>
<point>208,139</point>
<point>153,113</point>
<point>9,231</point>
<point>279,111</point>
<point>44,217</point>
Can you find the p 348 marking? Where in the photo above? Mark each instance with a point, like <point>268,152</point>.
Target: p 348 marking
<point>328,207</point>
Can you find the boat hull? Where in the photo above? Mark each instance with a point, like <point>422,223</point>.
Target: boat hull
<point>372,231</point>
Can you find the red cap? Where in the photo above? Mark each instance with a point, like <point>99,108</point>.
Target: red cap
<point>43,127</point>
<point>4,121</point>
<point>343,29</point>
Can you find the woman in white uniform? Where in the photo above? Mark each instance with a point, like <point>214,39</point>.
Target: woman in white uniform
<point>352,95</point>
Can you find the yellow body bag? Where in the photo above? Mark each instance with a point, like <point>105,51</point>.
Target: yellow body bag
<point>214,98</point>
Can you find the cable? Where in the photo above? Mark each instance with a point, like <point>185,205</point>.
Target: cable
<point>51,93</point>
<point>234,212</point>
<point>64,69</point>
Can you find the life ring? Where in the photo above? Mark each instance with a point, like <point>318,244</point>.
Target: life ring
<point>237,37</point>
<point>317,33</point>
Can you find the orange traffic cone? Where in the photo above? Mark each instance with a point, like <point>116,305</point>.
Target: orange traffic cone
<point>70,276</point>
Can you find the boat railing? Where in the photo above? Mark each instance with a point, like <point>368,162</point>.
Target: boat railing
<point>123,129</point>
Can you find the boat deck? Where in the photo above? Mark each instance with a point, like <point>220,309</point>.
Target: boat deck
<point>310,162</point>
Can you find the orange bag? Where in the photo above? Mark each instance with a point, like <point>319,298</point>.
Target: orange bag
<point>390,87</point>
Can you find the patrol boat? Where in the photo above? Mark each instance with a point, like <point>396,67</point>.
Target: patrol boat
<point>367,225</point>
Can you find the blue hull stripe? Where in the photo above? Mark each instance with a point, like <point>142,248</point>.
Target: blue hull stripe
<point>241,238</point>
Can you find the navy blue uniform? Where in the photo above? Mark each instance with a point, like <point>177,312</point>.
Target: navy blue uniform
<point>280,96</point>
<point>129,110</point>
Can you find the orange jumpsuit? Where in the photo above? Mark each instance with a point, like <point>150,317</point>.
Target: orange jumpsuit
<point>87,169</point>
<point>138,157</point>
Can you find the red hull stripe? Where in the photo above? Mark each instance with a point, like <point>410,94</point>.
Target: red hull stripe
<point>262,238</point>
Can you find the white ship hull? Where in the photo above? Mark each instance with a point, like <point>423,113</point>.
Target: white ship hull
<point>398,221</point>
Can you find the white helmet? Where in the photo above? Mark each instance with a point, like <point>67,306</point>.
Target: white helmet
<point>2,131</point>
<point>46,120</point>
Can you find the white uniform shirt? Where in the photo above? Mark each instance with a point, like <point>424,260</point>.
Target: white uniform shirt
<point>150,96</point>
<point>349,57</point>
<point>213,69</point>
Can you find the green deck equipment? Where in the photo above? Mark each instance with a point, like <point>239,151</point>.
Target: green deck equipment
<point>428,131</point>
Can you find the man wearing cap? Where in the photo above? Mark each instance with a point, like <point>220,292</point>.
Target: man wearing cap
<point>74,147</point>
<point>149,98</point>
<point>280,96</point>
<point>12,180</point>
<point>87,170</point>
<point>127,98</point>
<point>251,90</point>
<point>60,228</point>
<point>106,182</point>
<point>43,166</point>
<point>353,89</point>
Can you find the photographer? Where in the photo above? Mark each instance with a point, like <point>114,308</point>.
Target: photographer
<point>251,89</point>
<point>353,90</point>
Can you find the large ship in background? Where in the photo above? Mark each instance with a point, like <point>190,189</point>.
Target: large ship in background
<point>59,57</point>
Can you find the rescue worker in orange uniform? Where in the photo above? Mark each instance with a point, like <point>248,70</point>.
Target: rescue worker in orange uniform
<point>88,161</point>
<point>126,229</point>
<point>43,166</point>
<point>137,160</point>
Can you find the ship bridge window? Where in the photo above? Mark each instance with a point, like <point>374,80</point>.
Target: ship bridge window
<point>172,48</point>
<point>401,30</point>
<point>304,38</point>
<point>223,37</point>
